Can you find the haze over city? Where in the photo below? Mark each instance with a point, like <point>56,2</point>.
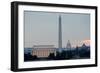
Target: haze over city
<point>41,28</point>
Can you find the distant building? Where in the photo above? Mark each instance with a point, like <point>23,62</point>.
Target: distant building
<point>28,50</point>
<point>43,50</point>
<point>68,45</point>
<point>84,47</point>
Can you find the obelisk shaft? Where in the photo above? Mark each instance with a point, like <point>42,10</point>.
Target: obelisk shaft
<point>60,33</point>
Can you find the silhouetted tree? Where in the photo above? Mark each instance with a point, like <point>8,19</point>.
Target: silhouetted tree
<point>77,51</point>
<point>51,56</point>
<point>58,55</point>
<point>34,57</point>
<point>69,54</point>
<point>63,55</point>
<point>29,57</point>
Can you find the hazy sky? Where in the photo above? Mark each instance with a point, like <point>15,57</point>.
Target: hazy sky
<point>41,28</point>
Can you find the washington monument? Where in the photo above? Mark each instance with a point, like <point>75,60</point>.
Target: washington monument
<point>60,33</point>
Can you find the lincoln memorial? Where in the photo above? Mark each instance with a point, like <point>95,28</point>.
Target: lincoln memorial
<point>43,50</point>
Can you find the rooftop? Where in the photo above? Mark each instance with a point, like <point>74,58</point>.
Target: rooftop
<point>43,46</point>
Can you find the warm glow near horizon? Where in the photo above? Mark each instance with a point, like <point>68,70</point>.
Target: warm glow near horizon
<point>80,43</point>
<point>87,42</point>
<point>41,28</point>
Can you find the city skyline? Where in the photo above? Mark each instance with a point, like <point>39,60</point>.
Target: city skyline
<point>37,23</point>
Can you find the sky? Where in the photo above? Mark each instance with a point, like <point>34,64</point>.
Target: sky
<point>41,28</point>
